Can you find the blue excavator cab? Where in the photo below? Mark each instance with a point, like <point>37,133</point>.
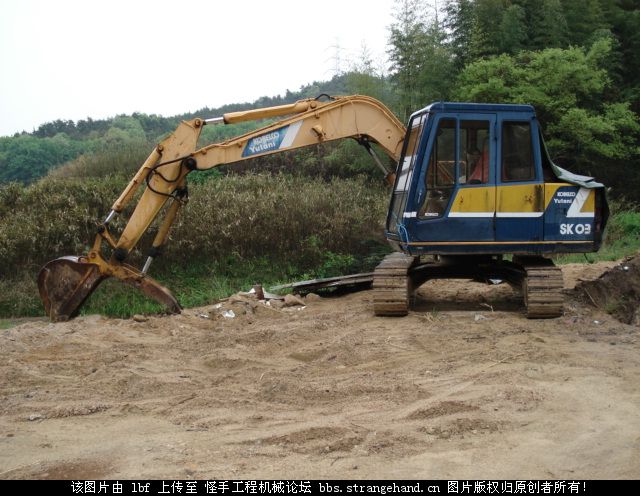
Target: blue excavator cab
<point>477,179</point>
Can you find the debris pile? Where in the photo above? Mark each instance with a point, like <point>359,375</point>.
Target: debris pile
<point>617,291</point>
<point>256,300</point>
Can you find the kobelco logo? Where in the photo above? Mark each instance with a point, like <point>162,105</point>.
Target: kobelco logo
<point>264,143</point>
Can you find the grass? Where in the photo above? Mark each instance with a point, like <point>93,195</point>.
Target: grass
<point>6,324</point>
<point>19,296</point>
<point>202,283</point>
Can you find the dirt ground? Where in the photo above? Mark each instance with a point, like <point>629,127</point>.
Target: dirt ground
<point>464,387</point>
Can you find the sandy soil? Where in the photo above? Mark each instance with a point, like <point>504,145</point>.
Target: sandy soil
<point>464,387</point>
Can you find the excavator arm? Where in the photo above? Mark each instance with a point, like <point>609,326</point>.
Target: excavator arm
<point>67,282</point>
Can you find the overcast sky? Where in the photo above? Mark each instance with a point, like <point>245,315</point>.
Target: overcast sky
<point>66,59</point>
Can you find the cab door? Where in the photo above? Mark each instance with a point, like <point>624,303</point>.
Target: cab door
<point>520,189</point>
<point>456,192</point>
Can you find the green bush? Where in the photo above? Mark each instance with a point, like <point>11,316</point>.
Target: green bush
<point>49,219</point>
<point>281,216</point>
<point>112,160</point>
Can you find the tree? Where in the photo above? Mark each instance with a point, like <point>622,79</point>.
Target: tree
<point>513,30</point>
<point>124,130</point>
<point>583,19</point>
<point>459,22</point>
<point>421,59</point>
<point>26,158</point>
<point>437,70</point>
<point>486,34</point>
<point>407,36</point>
<point>549,29</point>
<point>623,16</point>
<point>364,78</point>
<point>568,89</point>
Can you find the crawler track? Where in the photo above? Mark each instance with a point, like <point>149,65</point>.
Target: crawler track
<point>541,288</point>
<point>392,285</point>
<point>396,277</point>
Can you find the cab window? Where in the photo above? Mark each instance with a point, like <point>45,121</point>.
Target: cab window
<point>408,159</point>
<point>441,171</point>
<point>405,172</point>
<point>517,152</point>
<point>474,152</point>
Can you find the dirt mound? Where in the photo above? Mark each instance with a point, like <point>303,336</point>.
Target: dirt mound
<point>617,291</point>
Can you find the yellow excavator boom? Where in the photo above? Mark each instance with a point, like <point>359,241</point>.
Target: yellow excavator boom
<point>65,283</point>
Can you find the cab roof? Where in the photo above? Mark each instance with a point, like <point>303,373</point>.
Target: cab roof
<point>477,107</point>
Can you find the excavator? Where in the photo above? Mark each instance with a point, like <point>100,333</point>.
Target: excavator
<point>474,196</point>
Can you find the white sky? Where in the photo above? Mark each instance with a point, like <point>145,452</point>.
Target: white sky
<point>67,59</point>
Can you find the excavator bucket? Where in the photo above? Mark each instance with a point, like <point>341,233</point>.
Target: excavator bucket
<point>65,283</point>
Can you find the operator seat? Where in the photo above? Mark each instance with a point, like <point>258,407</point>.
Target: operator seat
<point>480,173</point>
